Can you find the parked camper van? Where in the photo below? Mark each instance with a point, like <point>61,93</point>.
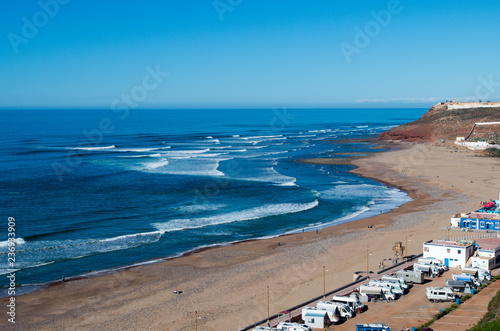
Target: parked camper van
<point>377,292</point>
<point>436,262</point>
<point>467,278</point>
<point>293,327</point>
<point>439,294</point>
<point>414,277</point>
<point>395,287</point>
<point>372,327</point>
<point>427,269</point>
<point>352,301</point>
<point>481,274</point>
<point>318,318</point>
<point>342,309</point>
<point>401,280</point>
<point>457,285</point>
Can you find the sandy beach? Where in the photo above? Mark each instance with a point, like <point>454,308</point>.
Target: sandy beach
<point>227,286</point>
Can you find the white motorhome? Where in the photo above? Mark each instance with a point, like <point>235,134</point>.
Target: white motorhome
<point>467,278</point>
<point>293,327</point>
<point>481,274</point>
<point>427,269</point>
<point>436,262</point>
<point>395,278</point>
<point>318,318</point>
<point>458,285</point>
<point>342,309</point>
<point>352,301</point>
<point>415,277</point>
<point>377,292</point>
<point>437,294</point>
<point>395,287</point>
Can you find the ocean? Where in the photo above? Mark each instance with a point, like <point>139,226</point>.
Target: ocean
<point>96,190</point>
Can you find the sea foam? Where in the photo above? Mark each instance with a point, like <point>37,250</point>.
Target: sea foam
<point>237,216</point>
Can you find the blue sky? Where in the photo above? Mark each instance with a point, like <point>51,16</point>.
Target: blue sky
<point>248,53</point>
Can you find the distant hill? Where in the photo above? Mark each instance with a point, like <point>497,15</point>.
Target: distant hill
<point>439,122</point>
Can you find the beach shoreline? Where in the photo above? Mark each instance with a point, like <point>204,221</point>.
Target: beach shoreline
<point>238,274</point>
<point>380,144</point>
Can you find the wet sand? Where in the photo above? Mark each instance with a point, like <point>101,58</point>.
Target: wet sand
<point>227,286</point>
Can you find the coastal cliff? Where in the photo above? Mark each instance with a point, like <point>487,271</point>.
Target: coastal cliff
<point>443,121</point>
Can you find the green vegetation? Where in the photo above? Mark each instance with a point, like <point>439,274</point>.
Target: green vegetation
<point>490,320</point>
<point>440,314</point>
<point>491,326</point>
<point>492,151</point>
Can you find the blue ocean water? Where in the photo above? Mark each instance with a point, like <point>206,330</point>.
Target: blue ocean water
<point>94,190</point>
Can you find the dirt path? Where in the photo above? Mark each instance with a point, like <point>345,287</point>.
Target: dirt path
<point>470,312</point>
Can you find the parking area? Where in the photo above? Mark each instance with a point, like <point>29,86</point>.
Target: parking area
<point>410,310</point>
<point>468,313</point>
<point>414,308</point>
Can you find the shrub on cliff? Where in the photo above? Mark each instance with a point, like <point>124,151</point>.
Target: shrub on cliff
<point>492,151</point>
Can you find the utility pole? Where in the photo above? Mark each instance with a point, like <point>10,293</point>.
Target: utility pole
<point>367,268</point>
<point>324,283</point>
<point>196,316</point>
<point>406,249</point>
<point>267,304</point>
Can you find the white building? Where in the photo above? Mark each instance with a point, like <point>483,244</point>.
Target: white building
<point>488,253</point>
<point>453,254</point>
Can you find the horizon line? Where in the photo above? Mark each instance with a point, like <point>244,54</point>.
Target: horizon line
<point>208,108</point>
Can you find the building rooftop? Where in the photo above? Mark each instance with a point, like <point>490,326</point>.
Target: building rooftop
<point>488,244</point>
<point>463,243</point>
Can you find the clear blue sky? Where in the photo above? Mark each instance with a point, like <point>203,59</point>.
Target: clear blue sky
<point>248,53</point>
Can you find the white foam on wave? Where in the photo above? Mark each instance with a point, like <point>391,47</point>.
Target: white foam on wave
<point>199,208</point>
<point>304,136</point>
<point>38,253</point>
<point>111,148</point>
<point>221,147</point>
<point>264,137</point>
<point>319,131</point>
<point>18,241</point>
<point>214,141</point>
<point>237,216</point>
<point>4,271</point>
<point>243,150</point>
<point>190,165</point>
<point>84,148</point>
<point>141,150</point>
<point>188,151</point>
<point>155,164</point>
<point>139,156</point>
<point>350,191</point>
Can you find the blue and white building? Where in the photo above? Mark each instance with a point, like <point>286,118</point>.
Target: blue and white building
<point>486,218</point>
